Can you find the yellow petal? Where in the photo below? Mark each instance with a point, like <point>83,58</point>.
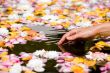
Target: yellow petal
<point>77,69</point>
<point>78,60</point>
<point>89,62</point>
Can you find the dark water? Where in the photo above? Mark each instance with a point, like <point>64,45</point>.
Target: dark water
<point>32,46</point>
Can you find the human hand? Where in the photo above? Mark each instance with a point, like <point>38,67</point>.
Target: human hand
<point>77,33</point>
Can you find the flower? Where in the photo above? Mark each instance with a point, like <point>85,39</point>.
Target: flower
<point>25,56</point>
<point>23,34</point>
<point>2,43</point>
<point>108,14</point>
<point>52,54</point>
<point>36,64</point>
<point>39,53</point>
<point>83,24</point>
<point>108,58</point>
<point>67,14</point>
<point>1,38</point>
<point>47,54</point>
<point>59,27</point>
<point>101,44</point>
<point>7,63</point>
<point>16,68</point>
<point>72,27</point>
<point>77,69</point>
<point>21,40</point>
<point>17,26</point>
<point>44,2</point>
<point>64,66</point>
<point>99,56</point>
<point>27,70</point>
<point>107,65</point>
<point>89,62</point>
<point>13,17</point>
<point>4,32</point>
<point>14,59</point>
<point>78,60</point>
<point>105,68</point>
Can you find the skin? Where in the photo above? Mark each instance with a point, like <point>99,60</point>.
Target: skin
<point>87,32</point>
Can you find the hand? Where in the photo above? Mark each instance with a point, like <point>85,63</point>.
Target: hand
<point>79,33</point>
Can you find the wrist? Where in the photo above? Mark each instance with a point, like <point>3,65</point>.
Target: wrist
<point>103,30</point>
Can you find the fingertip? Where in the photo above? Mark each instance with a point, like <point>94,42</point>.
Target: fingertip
<point>59,43</point>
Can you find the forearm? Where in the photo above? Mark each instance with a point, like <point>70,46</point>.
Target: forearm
<point>103,29</point>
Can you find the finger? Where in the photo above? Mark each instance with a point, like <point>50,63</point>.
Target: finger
<point>74,37</point>
<point>62,39</point>
<point>66,35</point>
<point>72,32</point>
